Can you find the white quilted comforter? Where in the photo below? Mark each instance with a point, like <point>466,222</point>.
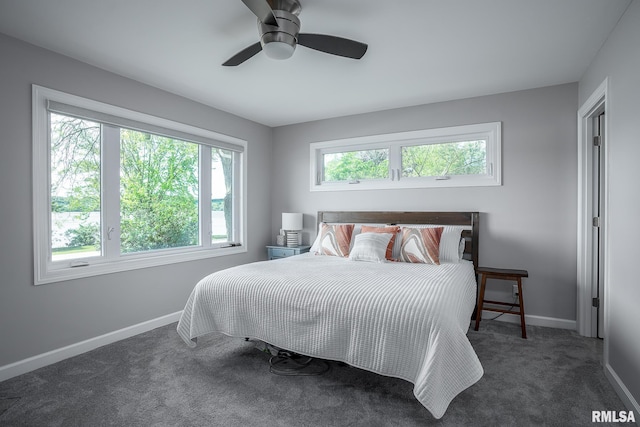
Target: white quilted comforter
<point>397,319</point>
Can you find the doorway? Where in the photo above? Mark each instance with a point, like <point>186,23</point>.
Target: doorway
<point>592,219</point>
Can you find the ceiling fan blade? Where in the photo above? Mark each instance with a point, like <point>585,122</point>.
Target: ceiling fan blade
<point>262,10</point>
<point>333,45</point>
<point>243,55</point>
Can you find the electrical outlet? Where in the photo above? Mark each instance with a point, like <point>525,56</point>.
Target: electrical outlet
<point>514,291</point>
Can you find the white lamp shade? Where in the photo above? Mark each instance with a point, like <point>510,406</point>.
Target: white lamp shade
<point>291,221</point>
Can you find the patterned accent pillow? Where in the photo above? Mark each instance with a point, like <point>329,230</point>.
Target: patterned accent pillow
<point>421,245</point>
<point>449,241</point>
<point>393,229</point>
<point>335,240</point>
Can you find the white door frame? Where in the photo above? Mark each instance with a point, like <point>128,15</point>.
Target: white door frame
<point>586,320</point>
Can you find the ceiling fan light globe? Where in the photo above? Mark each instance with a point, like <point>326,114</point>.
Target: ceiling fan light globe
<point>278,50</point>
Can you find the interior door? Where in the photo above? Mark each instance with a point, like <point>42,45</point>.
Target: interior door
<point>598,222</point>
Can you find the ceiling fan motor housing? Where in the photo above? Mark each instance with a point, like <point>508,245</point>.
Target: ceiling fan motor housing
<point>280,41</point>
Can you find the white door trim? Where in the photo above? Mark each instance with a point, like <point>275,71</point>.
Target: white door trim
<point>586,314</point>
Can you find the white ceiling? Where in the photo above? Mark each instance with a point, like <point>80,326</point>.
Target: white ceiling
<point>420,51</point>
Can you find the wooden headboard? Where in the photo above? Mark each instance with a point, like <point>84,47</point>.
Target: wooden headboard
<point>470,219</point>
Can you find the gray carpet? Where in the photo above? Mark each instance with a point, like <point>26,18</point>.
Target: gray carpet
<point>554,378</point>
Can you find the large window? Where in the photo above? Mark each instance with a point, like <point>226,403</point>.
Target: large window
<point>446,157</point>
<point>116,189</point>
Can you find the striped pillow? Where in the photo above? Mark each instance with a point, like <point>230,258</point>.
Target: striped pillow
<point>421,245</point>
<point>335,240</point>
<point>370,247</point>
<point>391,229</point>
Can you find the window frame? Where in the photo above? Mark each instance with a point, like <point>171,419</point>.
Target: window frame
<point>48,271</point>
<point>491,132</point>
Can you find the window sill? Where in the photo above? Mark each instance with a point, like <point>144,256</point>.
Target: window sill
<point>44,275</point>
<point>457,181</point>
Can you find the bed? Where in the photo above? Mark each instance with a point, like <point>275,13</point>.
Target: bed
<point>401,319</point>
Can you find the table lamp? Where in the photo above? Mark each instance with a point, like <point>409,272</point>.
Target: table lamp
<point>292,225</point>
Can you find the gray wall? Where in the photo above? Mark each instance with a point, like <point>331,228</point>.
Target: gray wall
<point>37,319</point>
<point>619,59</point>
<point>529,222</point>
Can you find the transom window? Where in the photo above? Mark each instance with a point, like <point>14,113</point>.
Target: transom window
<point>352,165</point>
<point>116,190</point>
<point>446,157</point>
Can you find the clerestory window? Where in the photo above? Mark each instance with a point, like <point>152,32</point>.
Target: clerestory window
<point>446,157</point>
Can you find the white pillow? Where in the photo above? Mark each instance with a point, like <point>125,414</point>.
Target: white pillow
<point>461,248</point>
<point>315,247</point>
<point>370,247</point>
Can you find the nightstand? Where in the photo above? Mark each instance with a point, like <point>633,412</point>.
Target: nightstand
<point>501,274</point>
<point>276,252</point>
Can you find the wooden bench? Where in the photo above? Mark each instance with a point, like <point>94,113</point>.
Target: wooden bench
<point>501,274</point>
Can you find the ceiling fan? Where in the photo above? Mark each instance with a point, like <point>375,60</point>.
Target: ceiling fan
<point>279,26</point>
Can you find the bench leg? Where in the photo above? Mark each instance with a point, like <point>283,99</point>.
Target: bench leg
<point>521,300</point>
<point>480,301</point>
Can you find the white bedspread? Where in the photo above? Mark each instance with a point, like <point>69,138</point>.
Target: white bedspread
<point>397,319</point>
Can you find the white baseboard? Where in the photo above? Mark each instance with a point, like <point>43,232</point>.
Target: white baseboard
<point>622,391</point>
<point>32,363</point>
<point>549,322</point>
